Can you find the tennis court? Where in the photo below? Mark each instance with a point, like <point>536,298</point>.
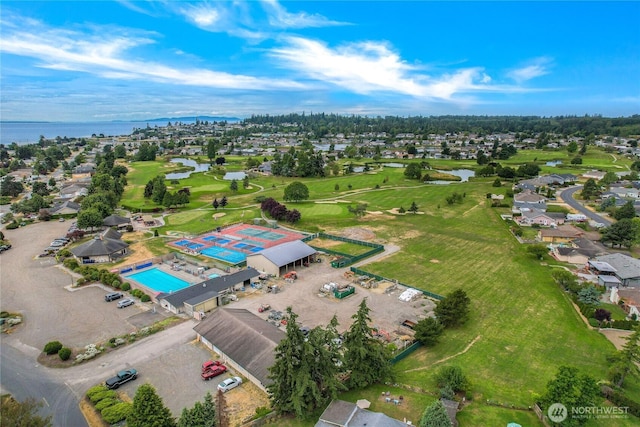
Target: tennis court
<point>194,246</point>
<point>262,234</point>
<point>215,239</point>
<point>224,254</point>
<point>182,243</point>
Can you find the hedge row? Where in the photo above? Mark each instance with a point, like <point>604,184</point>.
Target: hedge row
<point>93,274</point>
<point>619,399</point>
<point>106,401</point>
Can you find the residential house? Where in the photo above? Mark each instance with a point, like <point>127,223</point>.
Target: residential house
<point>65,208</point>
<point>624,267</point>
<point>520,207</point>
<point>530,197</point>
<point>116,221</point>
<point>594,174</point>
<point>83,173</point>
<point>73,191</point>
<point>562,234</point>
<point>346,414</point>
<point>536,217</point>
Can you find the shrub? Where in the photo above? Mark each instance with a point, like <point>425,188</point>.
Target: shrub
<point>12,226</point>
<point>452,376</point>
<point>137,293</point>
<point>619,399</point>
<point>145,298</point>
<point>624,324</point>
<point>105,403</point>
<point>106,394</point>
<point>64,353</point>
<point>95,389</point>
<point>52,347</point>
<point>81,281</point>
<point>116,284</point>
<point>594,322</point>
<point>116,413</point>
<point>125,286</point>
<point>70,263</point>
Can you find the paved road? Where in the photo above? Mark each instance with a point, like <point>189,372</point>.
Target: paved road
<point>24,378</point>
<point>567,197</point>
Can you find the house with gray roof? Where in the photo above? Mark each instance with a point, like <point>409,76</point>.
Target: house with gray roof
<point>65,208</point>
<point>207,295</point>
<point>104,247</point>
<point>346,414</point>
<point>116,221</point>
<point>243,340</point>
<point>279,259</point>
<point>624,267</point>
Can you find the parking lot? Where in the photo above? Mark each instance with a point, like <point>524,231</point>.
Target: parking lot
<point>315,308</point>
<point>169,360</point>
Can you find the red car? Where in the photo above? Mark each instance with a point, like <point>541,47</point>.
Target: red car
<point>210,364</point>
<point>214,371</point>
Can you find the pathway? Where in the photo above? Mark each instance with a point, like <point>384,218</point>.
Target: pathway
<point>467,348</point>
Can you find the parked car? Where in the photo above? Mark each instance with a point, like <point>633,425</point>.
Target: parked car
<point>61,219</point>
<point>229,384</point>
<point>126,303</point>
<point>210,364</point>
<point>214,371</point>
<point>121,378</point>
<point>113,296</point>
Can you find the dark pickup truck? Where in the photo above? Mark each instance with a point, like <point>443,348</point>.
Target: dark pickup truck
<point>121,378</point>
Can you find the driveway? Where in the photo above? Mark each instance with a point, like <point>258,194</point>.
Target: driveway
<point>567,196</point>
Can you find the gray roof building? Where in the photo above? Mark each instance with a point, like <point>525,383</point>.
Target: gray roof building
<point>243,340</point>
<point>208,289</point>
<point>346,414</point>
<point>626,268</point>
<point>115,221</point>
<point>104,247</point>
<point>276,259</point>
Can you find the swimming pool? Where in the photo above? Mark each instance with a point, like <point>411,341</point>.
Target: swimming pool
<point>158,280</point>
<point>223,254</point>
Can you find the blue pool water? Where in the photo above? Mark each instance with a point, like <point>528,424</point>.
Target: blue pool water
<point>158,280</point>
<point>213,276</point>
<point>223,254</point>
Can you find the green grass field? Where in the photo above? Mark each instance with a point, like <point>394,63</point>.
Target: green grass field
<point>522,327</point>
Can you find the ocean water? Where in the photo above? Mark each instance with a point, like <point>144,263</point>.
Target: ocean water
<point>29,132</point>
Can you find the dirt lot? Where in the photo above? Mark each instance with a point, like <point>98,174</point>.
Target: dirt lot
<point>315,308</point>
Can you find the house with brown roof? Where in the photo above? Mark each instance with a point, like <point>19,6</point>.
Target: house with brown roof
<point>562,234</point>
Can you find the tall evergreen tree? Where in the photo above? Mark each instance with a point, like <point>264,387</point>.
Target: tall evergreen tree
<point>454,309</point>
<point>201,415</point>
<point>365,357</point>
<point>148,410</point>
<point>435,415</point>
<point>224,202</point>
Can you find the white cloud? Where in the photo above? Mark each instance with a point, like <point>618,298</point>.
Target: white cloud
<point>279,17</point>
<point>221,17</point>
<point>536,68</point>
<point>104,53</point>
<point>368,67</point>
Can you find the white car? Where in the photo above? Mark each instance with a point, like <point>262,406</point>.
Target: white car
<point>126,303</point>
<point>229,384</point>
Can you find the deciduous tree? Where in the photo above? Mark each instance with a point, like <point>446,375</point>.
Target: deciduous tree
<point>573,389</point>
<point>296,191</point>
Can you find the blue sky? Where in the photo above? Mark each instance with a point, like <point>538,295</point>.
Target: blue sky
<point>126,60</point>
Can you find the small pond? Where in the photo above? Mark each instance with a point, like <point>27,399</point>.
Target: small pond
<point>553,163</point>
<point>464,175</point>
<point>198,167</point>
